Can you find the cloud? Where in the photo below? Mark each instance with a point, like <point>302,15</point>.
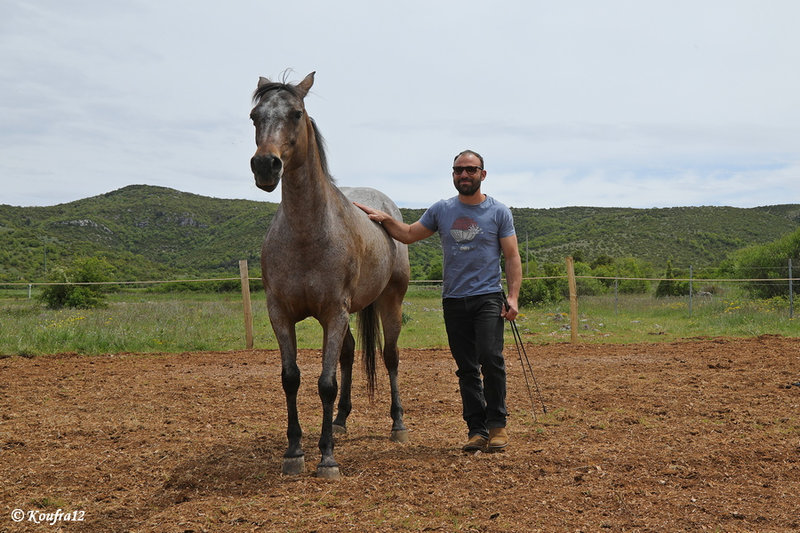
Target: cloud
<point>625,98</point>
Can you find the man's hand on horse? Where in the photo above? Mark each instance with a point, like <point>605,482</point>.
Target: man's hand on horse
<point>373,214</point>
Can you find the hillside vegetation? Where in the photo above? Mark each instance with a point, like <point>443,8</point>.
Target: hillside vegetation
<point>149,232</point>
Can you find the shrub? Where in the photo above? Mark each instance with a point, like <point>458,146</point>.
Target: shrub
<point>83,270</point>
<point>587,286</point>
<point>534,292</point>
<point>544,291</point>
<point>627,267</point>
<point>669,286</point>
<point>435,271</point>
<point>766,262</point>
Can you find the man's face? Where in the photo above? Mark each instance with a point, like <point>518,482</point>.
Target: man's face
<point>468,174</point>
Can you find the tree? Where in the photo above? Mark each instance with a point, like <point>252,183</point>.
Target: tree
<point>767,261</point>
<point>627,267</point>
<point>552,288</point>
<point>669,286</point>
<point>83,270</point>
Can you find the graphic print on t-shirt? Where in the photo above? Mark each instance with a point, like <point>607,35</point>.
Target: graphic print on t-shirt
<point>464,230</point>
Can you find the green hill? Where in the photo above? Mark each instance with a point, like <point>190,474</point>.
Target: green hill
<point>699,236</point>
<point>151,232</point>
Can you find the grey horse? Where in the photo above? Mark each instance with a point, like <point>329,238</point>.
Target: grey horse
<point>322,257</point>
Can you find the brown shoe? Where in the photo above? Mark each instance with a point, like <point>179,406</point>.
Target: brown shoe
<point>498,440</point>
<point>475,443</point>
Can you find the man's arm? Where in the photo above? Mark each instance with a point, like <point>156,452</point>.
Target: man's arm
<point>405,233</point>
<point>513,274</point>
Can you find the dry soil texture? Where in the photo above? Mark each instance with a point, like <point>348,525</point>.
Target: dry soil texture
<point>702,434</point>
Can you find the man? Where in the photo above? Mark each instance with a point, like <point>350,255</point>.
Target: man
<point>474,229</point>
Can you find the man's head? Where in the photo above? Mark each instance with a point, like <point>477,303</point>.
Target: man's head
<point>468,173</point>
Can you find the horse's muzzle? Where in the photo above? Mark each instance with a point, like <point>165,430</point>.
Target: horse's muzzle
<point>267,170</point>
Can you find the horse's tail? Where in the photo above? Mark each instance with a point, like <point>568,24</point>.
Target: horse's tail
<point>369,336</point>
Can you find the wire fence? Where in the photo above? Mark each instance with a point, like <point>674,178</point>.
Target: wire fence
<point>578,308</point>
<point>780,281</point>
<point>698,288</point>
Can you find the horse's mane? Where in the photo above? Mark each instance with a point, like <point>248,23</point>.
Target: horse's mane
<point>268,87</point>
<point>323,157</point>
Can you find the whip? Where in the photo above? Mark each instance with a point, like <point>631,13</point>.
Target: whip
<point>527,369</point>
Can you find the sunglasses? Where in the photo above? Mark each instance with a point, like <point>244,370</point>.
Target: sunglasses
<point>470,170</point>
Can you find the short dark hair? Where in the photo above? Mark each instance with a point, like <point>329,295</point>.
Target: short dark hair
<point>473,152</point>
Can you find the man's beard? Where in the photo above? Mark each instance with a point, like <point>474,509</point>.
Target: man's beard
<point>468,188</point>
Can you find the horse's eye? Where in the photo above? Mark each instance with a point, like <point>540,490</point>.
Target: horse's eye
<point>297,115</point>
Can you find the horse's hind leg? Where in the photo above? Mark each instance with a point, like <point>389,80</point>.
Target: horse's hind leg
<point>392,316</point>
<point>345,402</point>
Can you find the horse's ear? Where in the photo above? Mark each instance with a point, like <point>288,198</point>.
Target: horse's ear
<point>305,85</point>
<point>263,81</point>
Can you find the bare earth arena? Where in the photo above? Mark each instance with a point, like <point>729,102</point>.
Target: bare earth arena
<point>695,435</point>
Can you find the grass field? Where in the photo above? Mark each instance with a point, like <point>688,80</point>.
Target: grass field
<point>146,321</point>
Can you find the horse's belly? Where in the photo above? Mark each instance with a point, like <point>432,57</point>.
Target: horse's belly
<point>311,285</point>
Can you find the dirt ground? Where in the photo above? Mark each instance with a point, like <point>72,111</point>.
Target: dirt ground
<point>695,435</point>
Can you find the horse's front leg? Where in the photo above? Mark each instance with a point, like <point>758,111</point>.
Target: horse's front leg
<point>293,459</point>
<point>345,400</point>
<point>334,333</point>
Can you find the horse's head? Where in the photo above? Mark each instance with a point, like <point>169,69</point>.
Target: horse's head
<point>283,129</point>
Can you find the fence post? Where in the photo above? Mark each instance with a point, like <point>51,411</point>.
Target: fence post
<point>691,290</point>
<point>616,294</point>
<point>527,254</point>
<point>791,291</point>
<point>248,310</point>
<point>573,301</point>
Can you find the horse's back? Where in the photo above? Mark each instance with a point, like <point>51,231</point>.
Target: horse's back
<point>372,198</point>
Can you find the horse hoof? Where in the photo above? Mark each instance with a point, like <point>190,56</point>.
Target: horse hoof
<point>399,435</point>
<point>339,430</point>
<point>293,466</point>
<point>328,472</point>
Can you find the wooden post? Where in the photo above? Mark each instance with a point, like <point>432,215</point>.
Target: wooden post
<point>791,292</point>
<point>248,310</point>
<point>573,301</point>
<point>691,290</point>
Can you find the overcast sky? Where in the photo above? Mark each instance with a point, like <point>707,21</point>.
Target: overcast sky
<point>572,102</point>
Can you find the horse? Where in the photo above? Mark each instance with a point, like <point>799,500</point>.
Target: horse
<point>322,257</point>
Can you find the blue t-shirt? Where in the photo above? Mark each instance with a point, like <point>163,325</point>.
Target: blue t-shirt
<point>470,244</point>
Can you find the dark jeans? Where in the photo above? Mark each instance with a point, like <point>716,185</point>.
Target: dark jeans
<point>475,333</point>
